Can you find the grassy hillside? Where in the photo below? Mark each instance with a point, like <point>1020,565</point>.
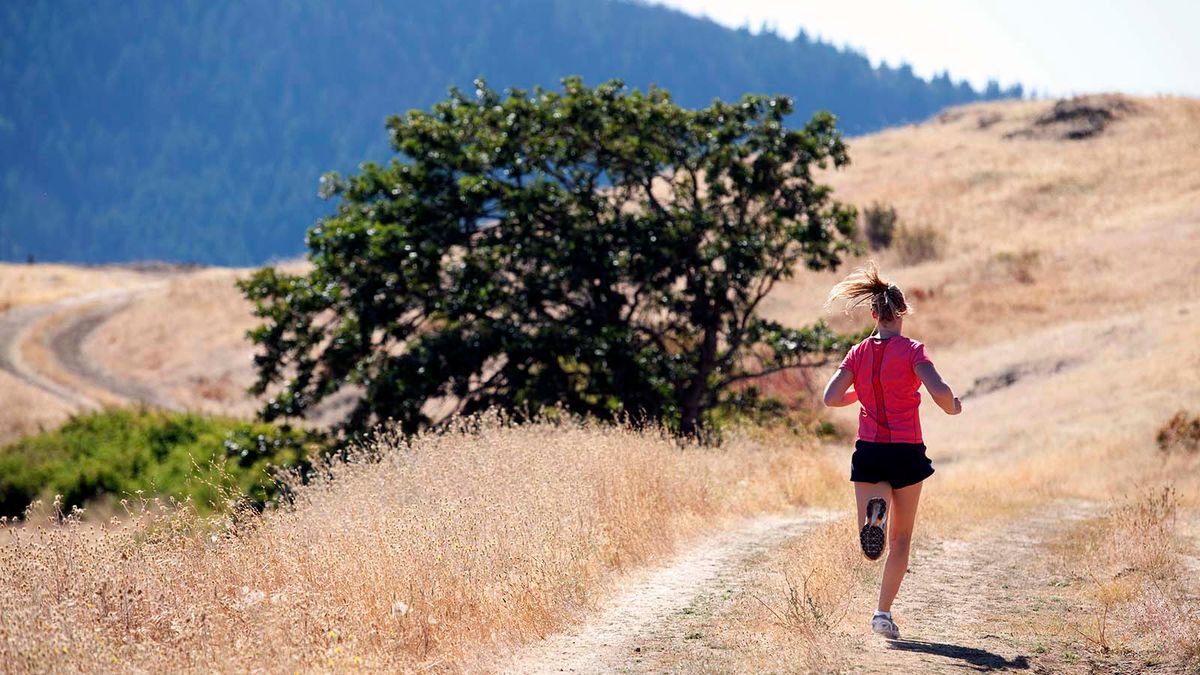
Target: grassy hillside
<point>1035,232</point>
<point>1063,304</point>
<point>196,131</point>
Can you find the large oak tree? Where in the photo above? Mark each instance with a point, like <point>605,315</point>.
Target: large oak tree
<point>601,249</point>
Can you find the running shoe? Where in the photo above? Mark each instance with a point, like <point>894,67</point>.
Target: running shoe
<point>872,534</point>
<point>883,625</point>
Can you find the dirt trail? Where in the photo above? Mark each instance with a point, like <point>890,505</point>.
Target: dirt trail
<point>608,642</point>
<point>13,325</point>
<point>961,608</point>
<point>66,344</point>
<point>82,314</point>
<point>963,598</point>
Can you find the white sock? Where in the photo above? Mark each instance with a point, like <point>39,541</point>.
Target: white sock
<point>887,615</point>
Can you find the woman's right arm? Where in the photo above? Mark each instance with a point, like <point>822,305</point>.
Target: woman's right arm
<point>941,392</point>
<point>837,392</point>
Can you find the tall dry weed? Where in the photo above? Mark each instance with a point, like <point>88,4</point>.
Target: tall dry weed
<point>803,604</point>
<point>434,552</point>
<point>1129,564</point>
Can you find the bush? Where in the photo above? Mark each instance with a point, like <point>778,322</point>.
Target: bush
<point>119,452</point>
<point>918,244</point>
<point>879,226</point>
<point>1020,264</point>
<point>1181,432</point>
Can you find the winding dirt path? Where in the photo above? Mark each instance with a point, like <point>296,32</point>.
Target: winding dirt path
<point>611,640</point>
<point>14,324</point>
<point>976,603</point>
<point>77,317</point>
<point>66,344</point>
<point>982,603</point>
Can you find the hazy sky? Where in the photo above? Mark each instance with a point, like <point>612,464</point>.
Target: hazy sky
<point>1055,46</point>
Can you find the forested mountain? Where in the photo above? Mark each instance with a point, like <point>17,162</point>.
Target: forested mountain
<point>196,130</point>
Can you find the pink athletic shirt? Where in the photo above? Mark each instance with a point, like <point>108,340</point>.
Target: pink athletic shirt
<point>887,384</point>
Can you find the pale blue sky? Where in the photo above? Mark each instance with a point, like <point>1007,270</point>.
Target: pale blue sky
<point>1058,47</point>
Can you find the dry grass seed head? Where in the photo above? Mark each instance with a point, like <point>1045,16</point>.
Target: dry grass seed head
<point>408,552</point>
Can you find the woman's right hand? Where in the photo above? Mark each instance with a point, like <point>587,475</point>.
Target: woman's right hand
<point>957,406</point>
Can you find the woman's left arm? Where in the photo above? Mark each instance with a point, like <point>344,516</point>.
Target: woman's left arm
<point>837,392</point>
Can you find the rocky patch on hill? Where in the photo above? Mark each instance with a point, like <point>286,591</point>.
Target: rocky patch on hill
<point>1077,118</point>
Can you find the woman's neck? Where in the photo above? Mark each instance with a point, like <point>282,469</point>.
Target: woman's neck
<point>885,332</point>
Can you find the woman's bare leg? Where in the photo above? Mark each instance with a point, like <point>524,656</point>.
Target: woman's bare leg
<point>865,492</point>
<point>902,515</point>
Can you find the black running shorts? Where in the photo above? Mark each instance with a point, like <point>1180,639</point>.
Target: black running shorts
<point>900,464</point>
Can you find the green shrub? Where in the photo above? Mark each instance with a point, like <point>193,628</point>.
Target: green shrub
<point>121,451</point>
<point>917,244</point>
<point>879,225</point>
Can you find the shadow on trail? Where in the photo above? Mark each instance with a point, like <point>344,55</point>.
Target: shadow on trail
<point>978,659</point>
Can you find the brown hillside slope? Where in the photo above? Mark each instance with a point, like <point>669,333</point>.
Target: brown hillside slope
<point>1052,230</point>
<point>1102,224</point>
<point>1065,305</point>
<point>1107,297</point>
<point>1040,540</point>
<point>1066,308</point>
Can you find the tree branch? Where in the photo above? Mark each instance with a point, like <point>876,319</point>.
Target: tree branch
<point>774,369</point>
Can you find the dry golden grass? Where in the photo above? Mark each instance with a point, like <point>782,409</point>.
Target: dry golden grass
<point>25,409</point>
<point>41,283</point>
<point>445,549</point>
<point>1130,567</point>
<point>187,339</point>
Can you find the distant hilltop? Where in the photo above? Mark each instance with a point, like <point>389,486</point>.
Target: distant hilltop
<point>197,130</point>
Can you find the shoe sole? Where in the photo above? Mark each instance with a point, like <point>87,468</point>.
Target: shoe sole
<point>871,536</point>
<point>889,634</point>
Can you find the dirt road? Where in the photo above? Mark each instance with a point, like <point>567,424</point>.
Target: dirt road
<point>984,603</point>
<point>612,640</point>
<point>976,604</point>
<point>14,324</point>
<point>74,320</point>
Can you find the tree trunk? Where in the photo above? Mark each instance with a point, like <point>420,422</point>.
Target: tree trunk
<point>690,403</point>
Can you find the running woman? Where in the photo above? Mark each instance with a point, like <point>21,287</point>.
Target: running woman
<point>883,373</point>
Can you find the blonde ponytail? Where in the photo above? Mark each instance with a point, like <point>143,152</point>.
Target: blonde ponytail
<point>864,286</point>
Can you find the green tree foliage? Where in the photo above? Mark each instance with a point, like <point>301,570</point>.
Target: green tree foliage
<point>597,248</point>
<point>119,452</point>
<point>195,130</point>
